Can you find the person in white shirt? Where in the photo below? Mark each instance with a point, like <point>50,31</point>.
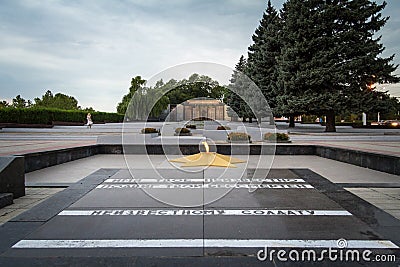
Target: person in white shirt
<point>89,120</point>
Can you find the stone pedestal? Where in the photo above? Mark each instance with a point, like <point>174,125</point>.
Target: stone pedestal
<point>12,176</point>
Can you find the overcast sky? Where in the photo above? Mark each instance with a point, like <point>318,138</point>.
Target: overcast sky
<point>91,49</point>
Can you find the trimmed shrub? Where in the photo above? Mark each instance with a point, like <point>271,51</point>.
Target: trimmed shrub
<point>190,126</point>
<point>148,130</point>
<point>235,136</point>
<point>47,116</point>
<point>223,127</point>
<point>276,137</point>
<point>182,131</point>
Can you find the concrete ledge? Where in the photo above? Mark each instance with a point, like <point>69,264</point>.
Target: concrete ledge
<point>379,162</point>
<point>6,199</point>
<point>374,161</point>
<point>226,149</point>
<point>12,176</point>
<point>40,160</point>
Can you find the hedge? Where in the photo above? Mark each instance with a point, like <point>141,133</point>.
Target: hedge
<point>47,116</point>
<point>276,137</point>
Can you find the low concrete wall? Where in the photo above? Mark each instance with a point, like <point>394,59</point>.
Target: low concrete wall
<point>40,160</point>
<point>374,161</point>
<point>379,162</point>
<point>6,199</point>
<point>238,149</point>
<point>12,176</point>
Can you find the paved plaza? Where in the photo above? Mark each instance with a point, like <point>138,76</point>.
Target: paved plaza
<point>93,211</point>
<point>19,141</point>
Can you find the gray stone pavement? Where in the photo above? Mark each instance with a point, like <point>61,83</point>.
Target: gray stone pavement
<point>33,197</point>
<point>105,219</point>
<point>19,141</point>
<point>387,199</point>
<point>380,189</point>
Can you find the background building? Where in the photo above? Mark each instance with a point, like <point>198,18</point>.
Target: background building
<point>198,109</point>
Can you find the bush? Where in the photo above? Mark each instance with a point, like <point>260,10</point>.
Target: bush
<point>47,116</point>
<point>182,131</point>
<point>223,127</point>
<point>239,137</point>
<point>148,130</point>
<point>190,126</point>
<point>276,137</point>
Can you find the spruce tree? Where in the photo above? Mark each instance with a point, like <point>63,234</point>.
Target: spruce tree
<point>262,55</point>
<point>330,56</point>
<point>237,106</point>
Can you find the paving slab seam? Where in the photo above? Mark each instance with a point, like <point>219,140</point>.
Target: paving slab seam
<point>384,223</point>
<point>101,175</point>
<point>29,217</point>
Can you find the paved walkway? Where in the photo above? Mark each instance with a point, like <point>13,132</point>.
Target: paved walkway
<point>22,147</point>
<point>22,141</point>
<point>380,189</point>
<point>19,141</point>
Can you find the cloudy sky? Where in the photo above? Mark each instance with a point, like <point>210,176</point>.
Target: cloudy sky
<point>90,49</point>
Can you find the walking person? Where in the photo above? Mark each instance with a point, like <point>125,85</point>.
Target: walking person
<point>89,120</point>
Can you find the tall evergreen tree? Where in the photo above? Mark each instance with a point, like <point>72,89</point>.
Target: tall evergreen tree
<point>237,89</point>
<point>330,56</point>
<point>262,55</point>
<point>237,106</point>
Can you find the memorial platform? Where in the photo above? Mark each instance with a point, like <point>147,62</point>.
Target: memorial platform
<point>109,218</point>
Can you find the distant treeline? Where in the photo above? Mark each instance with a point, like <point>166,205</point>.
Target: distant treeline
<point>48,116</point>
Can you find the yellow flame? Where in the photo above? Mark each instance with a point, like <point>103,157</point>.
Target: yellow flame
<point>206,146</point>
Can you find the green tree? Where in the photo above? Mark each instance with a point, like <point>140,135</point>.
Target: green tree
<point>262,65</point>
<point>380,102</point>
<point>156,97</point>
<point>136,83</point>
<point>19,102</point>
<point>59,101</point>
<point>237,107</point>
<point>143,102</point>
<point>194,87</point>
<point>331,57</point>
<point>89,109</point>
<point>4,104</point>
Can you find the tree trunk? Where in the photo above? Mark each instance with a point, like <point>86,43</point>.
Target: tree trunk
<point>291,121</point>
<point>250,120</point>
<point>244,119</point>
<point>330,121</point>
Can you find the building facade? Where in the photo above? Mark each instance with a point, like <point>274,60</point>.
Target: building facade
<point>198,109</point>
